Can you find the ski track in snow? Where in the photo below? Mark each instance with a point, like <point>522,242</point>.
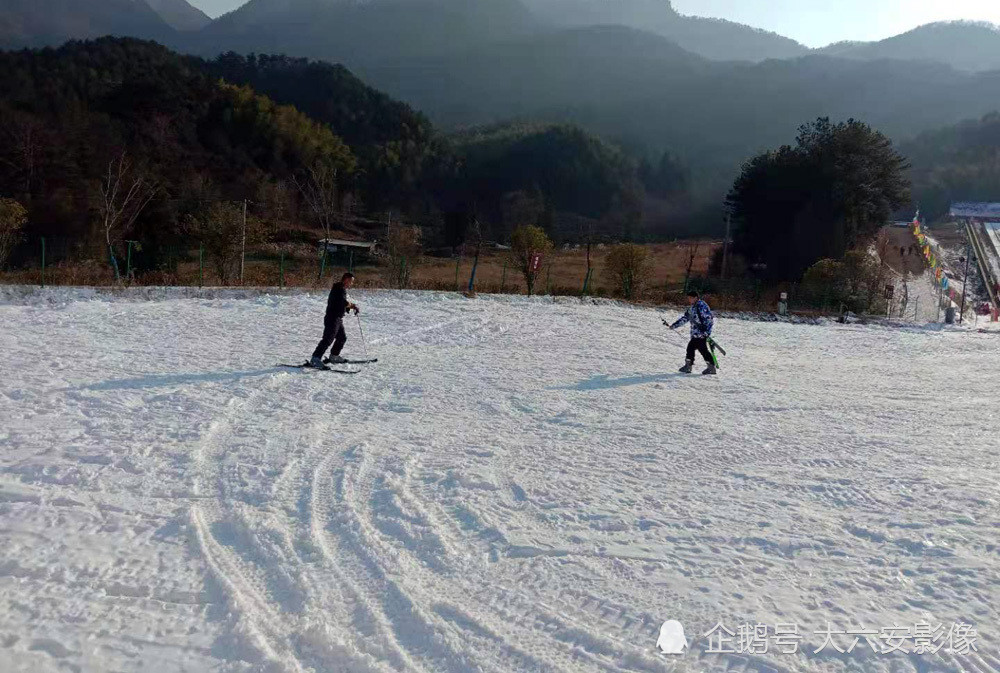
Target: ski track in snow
<point>517,485</point>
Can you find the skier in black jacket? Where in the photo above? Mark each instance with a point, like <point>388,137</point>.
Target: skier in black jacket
<point>337,306</point>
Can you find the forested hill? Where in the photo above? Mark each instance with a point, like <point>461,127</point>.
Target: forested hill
<point>396,146</point>
<point>637,73</point>
<point>70,113</point>
<point>200,133</point>
<point>645,92</point>
<point>957,163</point>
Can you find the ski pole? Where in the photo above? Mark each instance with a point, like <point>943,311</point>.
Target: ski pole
<point>672,330</point>
<point>361,329</point>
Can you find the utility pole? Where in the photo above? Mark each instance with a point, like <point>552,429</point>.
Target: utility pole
<point>725,244</point>
<point>475,262</point>
<point>243,251</point>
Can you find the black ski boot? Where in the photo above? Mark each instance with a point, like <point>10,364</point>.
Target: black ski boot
<point>686,369</point>
<point>711,371</point>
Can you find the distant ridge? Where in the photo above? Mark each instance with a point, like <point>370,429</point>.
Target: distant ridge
<point>35,23</point>
<point>964,45</point>
<point>180,14</point>
<point>715,39</point>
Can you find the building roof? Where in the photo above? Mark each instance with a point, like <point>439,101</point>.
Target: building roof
<point>972,209</point>
<point>367,245</point>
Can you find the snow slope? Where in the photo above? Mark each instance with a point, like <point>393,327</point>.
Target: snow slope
<point>993,233</point>
<point>518,485</point>
<point>925,297</point>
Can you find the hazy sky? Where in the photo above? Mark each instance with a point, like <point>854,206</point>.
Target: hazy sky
<point>815,23</point>
<point>216,8</point>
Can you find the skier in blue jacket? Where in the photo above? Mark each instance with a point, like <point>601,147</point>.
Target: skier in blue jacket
<point>701,319</point>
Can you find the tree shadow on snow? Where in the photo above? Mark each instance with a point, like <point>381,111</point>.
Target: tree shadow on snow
<point>167,380</point>
<point>605,382</point>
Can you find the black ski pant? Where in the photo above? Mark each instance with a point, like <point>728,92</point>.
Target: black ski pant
<point>333,333</point>
<point>700,345</point>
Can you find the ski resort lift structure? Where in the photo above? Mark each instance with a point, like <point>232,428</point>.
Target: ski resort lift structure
<point>982,226</point>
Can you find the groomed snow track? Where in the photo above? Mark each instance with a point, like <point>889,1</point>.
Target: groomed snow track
<point>518,485</point>
<point>986,239</point>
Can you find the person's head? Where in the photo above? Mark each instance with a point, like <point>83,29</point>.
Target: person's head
<point>347,280</point>
<point>693,297</point>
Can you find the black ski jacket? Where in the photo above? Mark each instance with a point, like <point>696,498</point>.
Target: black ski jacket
<point>337,304</point>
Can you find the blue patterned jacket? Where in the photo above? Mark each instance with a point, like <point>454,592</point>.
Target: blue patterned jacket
<point>701,319</point>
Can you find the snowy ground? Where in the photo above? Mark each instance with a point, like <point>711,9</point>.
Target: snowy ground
<point>924,296</point>
<point>517,486</point>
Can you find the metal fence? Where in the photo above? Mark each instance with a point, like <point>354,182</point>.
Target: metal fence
<point>63,261</point>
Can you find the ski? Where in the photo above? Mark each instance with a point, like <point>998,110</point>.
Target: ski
<point>351,362</point>
<point>324,368</point>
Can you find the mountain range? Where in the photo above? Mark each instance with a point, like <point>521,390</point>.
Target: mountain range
<point>180,14</point>
<point>712,38</point>
<point>357,33</point>
<point>383,30</point>
<point>964,45</point>
<point>36,23</point>
<point>637,72</point>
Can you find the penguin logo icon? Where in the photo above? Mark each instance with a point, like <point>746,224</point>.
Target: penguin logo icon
<point>672,640</point>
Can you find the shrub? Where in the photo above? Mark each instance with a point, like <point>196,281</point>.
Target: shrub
<point>13,217</point>
<point>220,229</point>
<point>525,243</point>
<point>823,283</point>
<point>627,270</point>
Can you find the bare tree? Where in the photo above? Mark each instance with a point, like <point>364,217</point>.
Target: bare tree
<point>693,254</point>
<point>318,186</point>
<point>125,193</point>
<point>24,138</point>
<point>404,253</point>
<point>879,277</point>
